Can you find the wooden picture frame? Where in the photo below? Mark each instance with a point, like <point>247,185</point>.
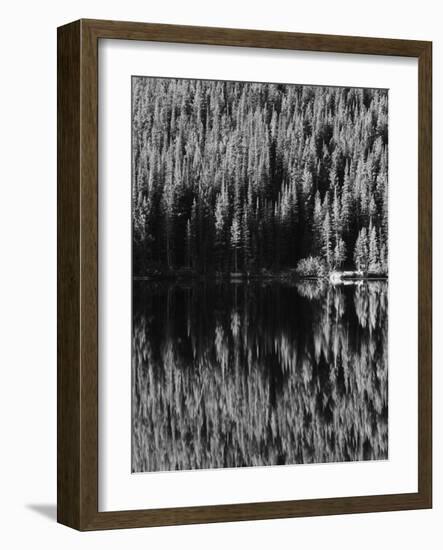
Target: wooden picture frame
<point>77,456</point>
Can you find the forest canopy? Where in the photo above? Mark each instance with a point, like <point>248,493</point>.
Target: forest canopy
<point>247,177</point>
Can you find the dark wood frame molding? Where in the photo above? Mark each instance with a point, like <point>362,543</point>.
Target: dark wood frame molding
<point>77,456</point>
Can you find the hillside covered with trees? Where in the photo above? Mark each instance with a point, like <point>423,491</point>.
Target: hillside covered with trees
<point>250,177</point>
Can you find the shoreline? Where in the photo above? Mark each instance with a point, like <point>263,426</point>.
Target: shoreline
<point>284,276</point>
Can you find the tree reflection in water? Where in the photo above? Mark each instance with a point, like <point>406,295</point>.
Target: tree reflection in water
<point>258,373</point>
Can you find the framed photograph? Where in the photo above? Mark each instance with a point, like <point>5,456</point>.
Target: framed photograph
<point>244,275</point>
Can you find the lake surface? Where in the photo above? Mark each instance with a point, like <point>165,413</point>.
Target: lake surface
<point>258,373</point>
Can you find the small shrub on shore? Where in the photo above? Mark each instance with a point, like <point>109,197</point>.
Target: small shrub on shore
<point>313,266</point>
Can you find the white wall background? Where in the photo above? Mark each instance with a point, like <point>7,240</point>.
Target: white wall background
<point>28,271</point>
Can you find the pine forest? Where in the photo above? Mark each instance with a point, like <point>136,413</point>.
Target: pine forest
<point>251,178</point>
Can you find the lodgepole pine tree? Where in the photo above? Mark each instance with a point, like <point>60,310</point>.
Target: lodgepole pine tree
<point>235,240</point>
<point>361,251</point>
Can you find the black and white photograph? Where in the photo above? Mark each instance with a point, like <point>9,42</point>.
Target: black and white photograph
<point>220,290</point>
<point>259,274</point>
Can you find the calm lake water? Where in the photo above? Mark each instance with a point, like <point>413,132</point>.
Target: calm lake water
<point>258,373</point>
